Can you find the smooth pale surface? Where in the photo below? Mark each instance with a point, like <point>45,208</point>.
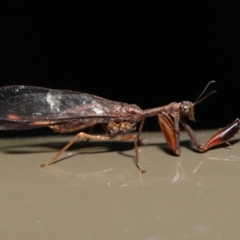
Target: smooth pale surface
<point>98,193</point>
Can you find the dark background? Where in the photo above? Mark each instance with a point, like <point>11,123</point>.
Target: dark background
<point>142,53</point>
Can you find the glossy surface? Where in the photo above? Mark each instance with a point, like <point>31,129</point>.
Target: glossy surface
<point>98,193</point>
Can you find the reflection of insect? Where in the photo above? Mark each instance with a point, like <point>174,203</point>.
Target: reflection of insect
<point>25,107</point>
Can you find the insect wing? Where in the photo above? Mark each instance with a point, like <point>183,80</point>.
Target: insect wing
<point>23,105</point>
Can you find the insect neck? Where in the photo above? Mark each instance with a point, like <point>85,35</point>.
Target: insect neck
<point>168,109</point>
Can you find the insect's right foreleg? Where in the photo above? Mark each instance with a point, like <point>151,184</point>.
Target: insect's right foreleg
<point>170,130</point>
<point>79,135</point>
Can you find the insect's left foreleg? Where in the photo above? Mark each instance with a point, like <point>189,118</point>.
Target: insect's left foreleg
<point>222,136</point>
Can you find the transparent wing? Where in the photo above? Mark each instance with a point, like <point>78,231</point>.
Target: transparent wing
<point>25,105</point>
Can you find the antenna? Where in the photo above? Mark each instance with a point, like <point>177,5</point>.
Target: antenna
<point>199,98</point>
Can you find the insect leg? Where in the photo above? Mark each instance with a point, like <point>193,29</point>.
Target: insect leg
<point>170,131</point>
<point>141,141</point>
<point>79,135</point>
<point>135,141</point>
<point>222,136</point>
<point>91,130</point>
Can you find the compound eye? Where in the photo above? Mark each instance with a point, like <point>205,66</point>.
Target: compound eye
<point>185,109</point>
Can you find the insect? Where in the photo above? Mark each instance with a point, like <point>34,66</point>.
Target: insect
<point>27,107</point>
